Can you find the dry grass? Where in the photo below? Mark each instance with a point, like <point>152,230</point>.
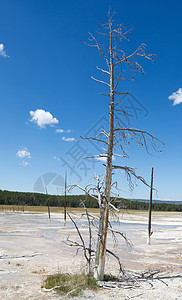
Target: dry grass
<point>54,209</point>
<point>43,209</point>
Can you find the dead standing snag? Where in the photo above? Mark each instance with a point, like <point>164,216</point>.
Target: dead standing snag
<point>118,66</point>
<point>150,208</point>
<point>65,187</point>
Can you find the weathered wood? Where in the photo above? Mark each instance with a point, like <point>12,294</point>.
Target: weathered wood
<point>48,208</point>
<point>116,59</point>
<point>101,243</point>
<point>104,208</point>
<point>150,208</point>
<point>49,213</point>
<point>65,187</point>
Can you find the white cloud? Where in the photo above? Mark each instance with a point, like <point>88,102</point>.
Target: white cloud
<point>68,139</point>
<point>42,118</point>
<point>176,97</point>
<point>102,157</point>
<point>59,130</point>
<point>2,52</point>
<point>24,163</point>
<point>62,130</point>
<point>23,153</point>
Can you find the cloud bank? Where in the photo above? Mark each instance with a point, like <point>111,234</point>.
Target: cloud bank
<point>176,97</point>
<point>42,118</point>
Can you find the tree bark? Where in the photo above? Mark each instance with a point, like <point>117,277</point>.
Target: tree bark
<point>104,207</point>
<point>49,213</point>
<point>150,208</point>
<point>65,199</point>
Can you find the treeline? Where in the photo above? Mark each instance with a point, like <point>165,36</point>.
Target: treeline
<point>139,205</point>
<point>36,199</point>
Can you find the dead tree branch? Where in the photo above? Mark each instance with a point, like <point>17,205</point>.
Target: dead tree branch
<point>76,244</point>
<point>81,238</point>
<point>130,171</point>
<point>95,139</point>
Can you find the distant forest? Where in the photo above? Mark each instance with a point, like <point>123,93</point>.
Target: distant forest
<point>36,199</point>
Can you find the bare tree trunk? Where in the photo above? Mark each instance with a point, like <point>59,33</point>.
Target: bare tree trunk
<point>117,62</point>
<point>49,213</point>
<point>150,208</point>
<point>48,208</point>
<point>104,208</point>
<point>65,199</point>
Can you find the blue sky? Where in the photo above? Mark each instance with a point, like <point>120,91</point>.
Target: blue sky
<point>46,86</point>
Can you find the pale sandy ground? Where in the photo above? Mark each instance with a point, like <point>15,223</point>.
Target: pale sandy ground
<point>31,247</point>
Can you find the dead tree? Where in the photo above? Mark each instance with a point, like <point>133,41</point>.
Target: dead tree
<point>65,187</point>
<point>150,208</point>
<point>49,213</point>
<point>88,250</point>
<point>118,66</point>
<point>48,207</point>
